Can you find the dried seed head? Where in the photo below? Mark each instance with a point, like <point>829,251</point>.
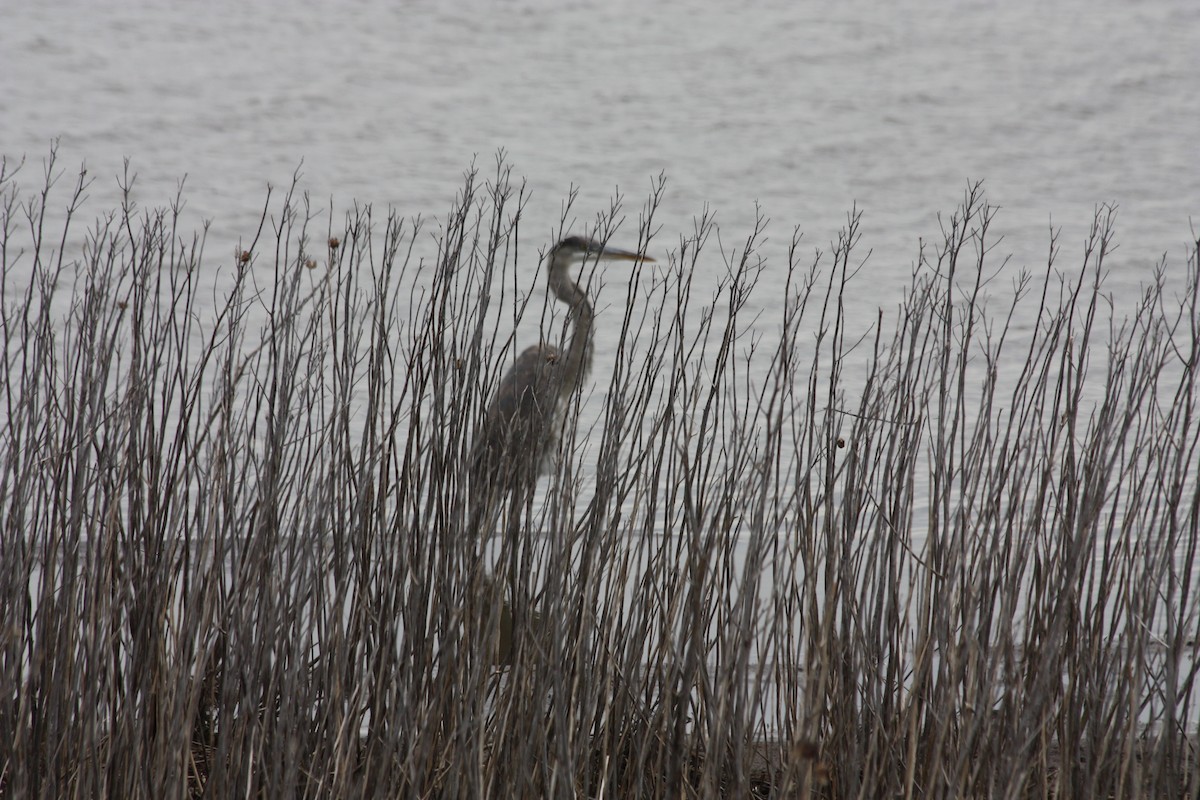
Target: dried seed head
<point>244,257</point>
<point>334,242</point>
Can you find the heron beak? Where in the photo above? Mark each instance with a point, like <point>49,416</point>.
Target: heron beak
<point>617,254</point>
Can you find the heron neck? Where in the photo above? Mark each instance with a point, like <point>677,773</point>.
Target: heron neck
<point>579,356</point>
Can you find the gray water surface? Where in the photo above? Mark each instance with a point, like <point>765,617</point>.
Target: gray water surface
<point>805,108</point>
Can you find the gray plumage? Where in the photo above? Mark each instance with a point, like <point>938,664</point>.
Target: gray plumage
<point>520,430</point>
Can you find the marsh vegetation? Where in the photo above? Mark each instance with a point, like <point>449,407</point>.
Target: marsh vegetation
<point>932,554</point>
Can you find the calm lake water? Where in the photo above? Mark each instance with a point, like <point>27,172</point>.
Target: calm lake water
<point>804,110</point>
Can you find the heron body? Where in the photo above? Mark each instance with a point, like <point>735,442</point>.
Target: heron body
<point>520,429</point>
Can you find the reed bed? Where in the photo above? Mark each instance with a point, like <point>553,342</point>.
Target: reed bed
<point>948,552</point>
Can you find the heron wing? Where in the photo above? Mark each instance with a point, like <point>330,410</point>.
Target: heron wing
<point>519,427</point>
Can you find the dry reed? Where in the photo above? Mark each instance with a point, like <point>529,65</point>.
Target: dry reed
<point>944,559</point>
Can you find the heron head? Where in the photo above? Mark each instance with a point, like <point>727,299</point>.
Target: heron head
<point>574,247</point>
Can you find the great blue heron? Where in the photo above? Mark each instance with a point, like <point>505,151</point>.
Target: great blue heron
<point>521,427</point>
